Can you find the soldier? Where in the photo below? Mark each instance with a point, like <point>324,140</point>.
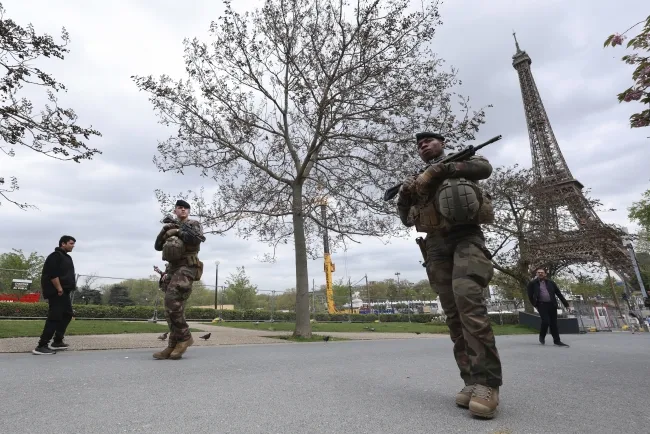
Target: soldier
<point>447,204</point>
<point>180,242</point>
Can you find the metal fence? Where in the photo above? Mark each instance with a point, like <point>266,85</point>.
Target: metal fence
<point>604,316</point>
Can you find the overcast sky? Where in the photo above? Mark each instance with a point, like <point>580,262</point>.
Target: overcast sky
<point>577,78</point>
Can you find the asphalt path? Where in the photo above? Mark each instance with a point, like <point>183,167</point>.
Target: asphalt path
<point>599,385</point>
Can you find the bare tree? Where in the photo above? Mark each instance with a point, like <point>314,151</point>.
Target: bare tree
<point>304,100</point>
<point>52,132</point>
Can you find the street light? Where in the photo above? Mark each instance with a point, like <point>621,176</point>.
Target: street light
<point>216,285</point>
<point>397,274</point>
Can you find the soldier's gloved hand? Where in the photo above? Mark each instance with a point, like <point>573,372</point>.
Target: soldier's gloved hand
<point>406,190</point>
<point>169,226</point>
<point>433,172</point>
<point>171,233</point>
<point>437,170</point>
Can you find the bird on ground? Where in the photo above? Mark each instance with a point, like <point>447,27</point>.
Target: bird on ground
<point>205,337</point>
<point>417,333</point>
<point>163,336</point>
<point>326,338</point>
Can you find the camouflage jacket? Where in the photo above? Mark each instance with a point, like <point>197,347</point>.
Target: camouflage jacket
<point>192,238</point>
<point>476,168</point>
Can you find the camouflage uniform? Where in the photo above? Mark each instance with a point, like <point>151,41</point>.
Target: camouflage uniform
<point>459,269</point>
<point>177,286</point>
<point>177,282</point>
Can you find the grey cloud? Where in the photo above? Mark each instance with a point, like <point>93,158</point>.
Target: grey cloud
<point>109,204</point>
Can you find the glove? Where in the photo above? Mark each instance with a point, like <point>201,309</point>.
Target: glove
<point>435,171</point>
<point>171,233</point>
<point>406,190</point>
<point>169,226</point>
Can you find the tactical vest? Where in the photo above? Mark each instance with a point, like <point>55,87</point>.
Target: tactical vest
<point>173,249</point>
<point>456,201</point>
<point>177,253</point>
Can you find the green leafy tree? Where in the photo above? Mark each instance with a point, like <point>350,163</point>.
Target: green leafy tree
<point>508,288</point>
<point>15,265</point>
<point>88,296</point>
<point>240,291</point>
<point>54,131</point>
<point>285,300</point>
<point>589,288</point>
<point>85,293</point>
<point>119,296</point>
<point>305,98</point>
<point>263,301</point>
<point>142,292</point>
<point>201,295</point>
<point>640,212</point>
<point>639,91</point>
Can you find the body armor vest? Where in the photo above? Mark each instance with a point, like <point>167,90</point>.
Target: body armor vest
<point>173,249</point>
<point>456,201</point>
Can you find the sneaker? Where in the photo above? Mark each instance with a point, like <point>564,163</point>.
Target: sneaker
<point>561,344</point>
<point>542,341</point>
<point>43,350</point>
<point>59,345</point>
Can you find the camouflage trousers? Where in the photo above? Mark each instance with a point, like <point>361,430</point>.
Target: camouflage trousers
<point>459,270</point>
<point>177,286</point>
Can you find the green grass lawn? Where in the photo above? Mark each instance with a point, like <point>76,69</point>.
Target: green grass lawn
<point>385,327</point>
<point>34,328</point>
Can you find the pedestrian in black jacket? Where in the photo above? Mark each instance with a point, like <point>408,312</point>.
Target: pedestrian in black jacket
<point>58,280</point>
<point>542,293</point>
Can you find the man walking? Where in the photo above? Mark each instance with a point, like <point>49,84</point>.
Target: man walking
<point>180,241</point>
<point>542,293</point>
<point>58,280</point>
<point>446,203</point>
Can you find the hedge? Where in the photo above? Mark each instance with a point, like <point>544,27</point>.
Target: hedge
<point>35,310</point>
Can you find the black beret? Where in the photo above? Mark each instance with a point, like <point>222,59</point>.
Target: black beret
<point>427,135</point>
<point>182,203</point>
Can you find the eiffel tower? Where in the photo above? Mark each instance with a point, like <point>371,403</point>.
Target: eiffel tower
<point>550,243</point>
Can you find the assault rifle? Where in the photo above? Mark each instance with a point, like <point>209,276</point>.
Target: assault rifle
<point>458,156</point>
<point>184,227</point>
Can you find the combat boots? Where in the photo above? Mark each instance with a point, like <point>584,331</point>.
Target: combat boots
<point>463,397</point>
<point>164,354</point>
<point>484,401</point>
<point>181,347</point>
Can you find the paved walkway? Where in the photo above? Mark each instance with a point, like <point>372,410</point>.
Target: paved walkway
<point>220,336</point>
<point>401,386</point>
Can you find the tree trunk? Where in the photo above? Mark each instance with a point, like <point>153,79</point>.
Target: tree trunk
<point>524,278</point>
<point>303,326</point>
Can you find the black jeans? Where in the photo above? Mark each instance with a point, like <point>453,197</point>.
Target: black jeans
<point>59,315</point>
<point>548,314</point>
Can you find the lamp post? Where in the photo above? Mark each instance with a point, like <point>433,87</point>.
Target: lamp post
<point>216,285</point>
<point>397,274</point>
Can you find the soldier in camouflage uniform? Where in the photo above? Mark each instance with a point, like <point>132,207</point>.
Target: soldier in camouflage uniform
<point>180,249</point>
<point>447,204</point>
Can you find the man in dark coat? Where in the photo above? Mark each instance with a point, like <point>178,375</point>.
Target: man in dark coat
<point>58,280</point>
<point>543,294</point>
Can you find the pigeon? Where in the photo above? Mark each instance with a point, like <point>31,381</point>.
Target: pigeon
<point>417,333</point>
<point>205,337</point>
<point>326,338</point>
<point>163,336</point>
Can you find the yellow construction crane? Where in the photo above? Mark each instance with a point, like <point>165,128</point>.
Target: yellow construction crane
<point>328,264</point>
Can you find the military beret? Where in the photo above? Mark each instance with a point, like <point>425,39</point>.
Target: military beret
<point>427,135</point>
<point>182,203</point>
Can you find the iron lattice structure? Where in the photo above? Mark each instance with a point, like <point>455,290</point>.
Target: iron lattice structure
<point>550,241</point>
